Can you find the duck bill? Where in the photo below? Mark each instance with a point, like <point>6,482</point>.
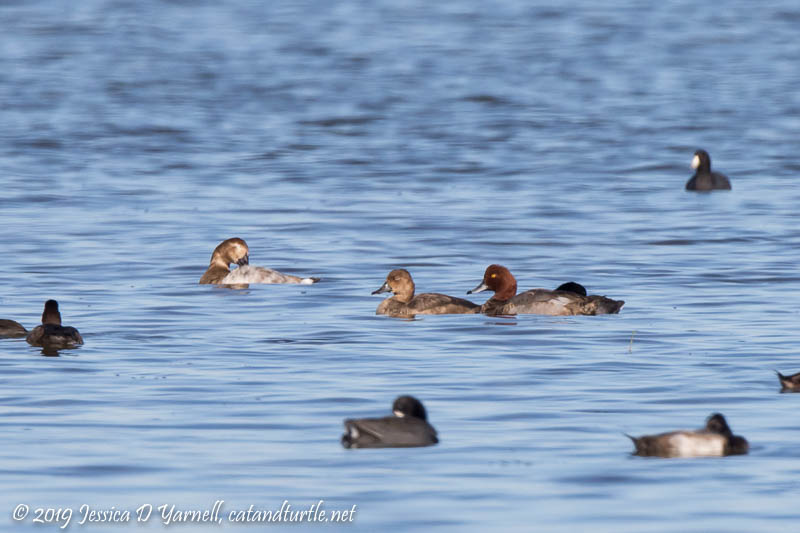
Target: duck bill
<point>383,288</point>
<point>480,288</point>
<point>244,260</point>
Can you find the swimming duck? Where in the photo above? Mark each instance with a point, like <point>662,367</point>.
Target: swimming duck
<point>714,440</point>
<point>704,179</point>
<point>235,250</point>
<point>10,329</point>
<point>789,383</point>
<point>561,302</point>
<point>404,303</point>
<point>51,334</point>
<point>408,426</point>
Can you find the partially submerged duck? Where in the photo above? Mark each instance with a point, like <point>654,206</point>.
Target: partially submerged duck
<point>559,302</point>
<point>789,383</point>
<point>704,179</point>
<point>714,440</point>
<point>405,303</point>
<point>407,427</point>
<point>236,251</point>
<point>10,329</point>
<point>51,334</point>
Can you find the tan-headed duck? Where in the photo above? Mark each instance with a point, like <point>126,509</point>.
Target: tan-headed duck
<point>560,302</point>
<point>404,303</point>
<point>789,383</point>
<point>235,250</point>
<point>51,334</point>
<point>407,427</point>
<point>704,179</point>
<point>10,329</point>
<point>714,440</point>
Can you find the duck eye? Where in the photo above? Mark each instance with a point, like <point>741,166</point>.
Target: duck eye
<point>494,275</point>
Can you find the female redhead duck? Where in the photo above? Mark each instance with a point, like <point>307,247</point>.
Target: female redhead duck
<point>404,303</point>
<point>51,334</point>
<point>566,301</point>
<point>235,250</point>
<point>714,440</point>
<point>789,383</point>
<point>408,427</point>
<point>10,329</point>
<point>704,179</point>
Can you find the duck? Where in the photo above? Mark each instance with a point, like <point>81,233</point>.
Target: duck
<point>51,334</point>
<point>236,251</point>
<point>404,303</point>
<point>10,329</point>
<point>704,179</point>
<point>407,427</point>
<point>714,440</point>
<point>789,383</point>
<point>559,302</point>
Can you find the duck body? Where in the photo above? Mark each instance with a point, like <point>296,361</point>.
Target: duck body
<point>714,440</point>
<point>9,329</point>
<point>407,427</point>
<point>704,179</point>
<point>50,333</point>
<point>254,274</point>
<point>236,251</point>
<point>54,336</point>
<point>404,303</point>
<point>555,303</point>
<point>571,300</point>
<point>789,383</point>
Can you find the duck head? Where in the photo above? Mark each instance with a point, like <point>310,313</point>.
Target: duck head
<point>499,279</point>
<point>701,161</point>
<point>229,251</point>
<point>409,406</point>
<point>399,283</point>
<point>51,314</point>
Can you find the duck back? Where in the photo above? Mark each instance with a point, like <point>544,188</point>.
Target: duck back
<point>11,329</point>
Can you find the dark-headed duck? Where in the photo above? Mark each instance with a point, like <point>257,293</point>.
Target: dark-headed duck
<point>789,383</point>
<point>559,302</point>
<point>235,250</point>
<point>404,303</point>
<point>704,179</point>
<point>714,440</point>
<point>407,427</point>
<point>51,334</point>
<point>572,286</point>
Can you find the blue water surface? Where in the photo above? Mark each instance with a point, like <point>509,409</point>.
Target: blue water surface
<point>345,139</point>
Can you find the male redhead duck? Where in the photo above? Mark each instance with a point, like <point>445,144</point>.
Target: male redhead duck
<point>51,334</point>
<point>235,250</point>
<point>704,179</point>
<point>789,383</point>
<point>404,303</point>
<point>561,301</point>
<point>10,329</point>
<point>714,440</point>
<point>407,427</point>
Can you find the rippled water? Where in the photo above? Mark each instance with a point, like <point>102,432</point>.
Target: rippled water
<point>344,139</point>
